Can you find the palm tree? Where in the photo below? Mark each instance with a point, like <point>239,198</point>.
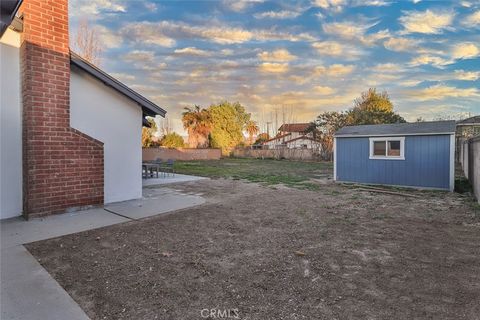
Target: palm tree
<point>198,123</point>
<point>252,129</point>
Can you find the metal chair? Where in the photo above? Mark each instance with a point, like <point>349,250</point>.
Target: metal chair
<point>159,163</point>
<point>169,167</point>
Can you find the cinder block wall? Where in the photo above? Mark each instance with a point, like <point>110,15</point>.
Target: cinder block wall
<point>149,154</point>
<point>474,165</point>
<point>63,168</point>
<point>281,153</point>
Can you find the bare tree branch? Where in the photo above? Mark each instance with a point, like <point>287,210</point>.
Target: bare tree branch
<point>86,43</point>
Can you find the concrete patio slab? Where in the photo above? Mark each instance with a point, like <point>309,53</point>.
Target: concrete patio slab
<point>30,293</point>
<point>18,231</point>
<point>155,201</point>
<point>177,178</point>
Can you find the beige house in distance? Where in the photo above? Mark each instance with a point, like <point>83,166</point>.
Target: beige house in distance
<point>292,136</point>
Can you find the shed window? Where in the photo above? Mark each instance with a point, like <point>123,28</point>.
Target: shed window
<point>387,148</point>
<point>379,148</point>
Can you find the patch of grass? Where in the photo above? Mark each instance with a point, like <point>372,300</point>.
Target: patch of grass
<point>296,174</point>
<point>462,185</point>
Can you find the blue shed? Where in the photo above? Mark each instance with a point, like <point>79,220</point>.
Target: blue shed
<point>419,155</point>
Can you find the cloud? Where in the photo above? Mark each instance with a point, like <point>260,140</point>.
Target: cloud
<point>355,31</point>
<point>441,92</point>
<point>165,33</point>
<point>280,55</point>
<point>410,83</point>
<point>338,5</point>
<point>400,44</point>
<point>430,59</point>
<point>191,51</point>
<point>465,50</point>
<point>466,75</point>
<point>95,7</point>
<point>271,67</point>
<point>387,67</point>
<point>323,90</point>
<point>274,35</point>
<point>147,32</point>
<point>151,6</point>
<point>371,3</point>
<point>107,38</point>
<point>240,5</point>
<point>283,14</point>
<point>226,52</point>
<point>334,5</point>
<point>124,77</point>
<point>428,22</point>
<point>347,30</point>
<point>331,48</point>
<point>472,20</point>
<point>334,70</point>
<point>139,56</point>
<point>338,49</point>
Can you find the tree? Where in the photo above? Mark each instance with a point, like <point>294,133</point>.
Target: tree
<point>252,129</point>
<point>373,108</point>
<point>148,133</point>
<point>86,43</point>
<point>172,140</point>
<point>324,128</point>
<point>198,123</point>
<point>147,141</point>
<point>261,138</point>
<point>228,120</point>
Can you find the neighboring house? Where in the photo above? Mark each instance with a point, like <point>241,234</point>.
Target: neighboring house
<point>417,155</point>
<point>292,136</point>
<point>469,127</point>
<point>70,133</point>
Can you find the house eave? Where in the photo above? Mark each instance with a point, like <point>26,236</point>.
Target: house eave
<point>8,10</point>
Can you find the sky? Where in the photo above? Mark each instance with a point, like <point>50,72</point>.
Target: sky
<point>296,57</point>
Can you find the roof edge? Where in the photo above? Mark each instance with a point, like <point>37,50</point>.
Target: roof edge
<point>6,24</point>
<point>393,134</point>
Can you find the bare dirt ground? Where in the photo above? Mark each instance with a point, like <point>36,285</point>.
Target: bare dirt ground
<point>266,252</point>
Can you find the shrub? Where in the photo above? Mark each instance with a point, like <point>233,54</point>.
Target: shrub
<point>172,140</point>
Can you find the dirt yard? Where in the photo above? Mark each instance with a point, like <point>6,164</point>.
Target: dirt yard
<point>273,252</point>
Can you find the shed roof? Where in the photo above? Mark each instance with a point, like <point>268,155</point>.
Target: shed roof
<point>149,108</point>
<point>395,129</point>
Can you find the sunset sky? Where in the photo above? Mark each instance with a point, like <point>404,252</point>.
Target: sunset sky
<point>309,57</point>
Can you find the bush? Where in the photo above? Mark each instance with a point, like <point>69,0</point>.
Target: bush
<point>172,140</point>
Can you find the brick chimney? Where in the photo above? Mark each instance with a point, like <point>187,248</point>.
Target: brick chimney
<point>63,168</point>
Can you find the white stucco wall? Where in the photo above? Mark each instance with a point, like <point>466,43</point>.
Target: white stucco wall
<point>10,126</point>
<point>106,115</point>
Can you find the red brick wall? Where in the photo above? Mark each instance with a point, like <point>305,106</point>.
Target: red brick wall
<point>63,168</point>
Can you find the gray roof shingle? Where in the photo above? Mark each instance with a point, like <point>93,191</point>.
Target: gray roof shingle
<point>415,128</point>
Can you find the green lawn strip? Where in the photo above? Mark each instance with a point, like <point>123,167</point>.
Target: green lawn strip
<point>269,172</point>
